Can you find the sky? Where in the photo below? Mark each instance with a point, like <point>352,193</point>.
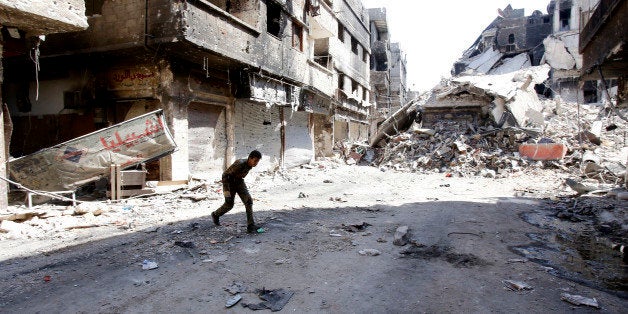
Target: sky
<point>433,34</point>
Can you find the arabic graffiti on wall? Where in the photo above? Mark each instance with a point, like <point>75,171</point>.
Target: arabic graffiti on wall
<point>132,78</point>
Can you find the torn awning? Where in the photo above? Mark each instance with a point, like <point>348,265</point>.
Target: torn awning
<point>69,165</point>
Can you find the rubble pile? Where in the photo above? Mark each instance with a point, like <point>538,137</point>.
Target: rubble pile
<point>455,147</point>
<point>595,140</point>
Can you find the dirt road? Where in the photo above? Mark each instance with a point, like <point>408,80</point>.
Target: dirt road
<point>467,237</point>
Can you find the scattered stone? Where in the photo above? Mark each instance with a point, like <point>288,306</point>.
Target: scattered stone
<point>274,300</point>
<point>401,236</point>
<point>517,260</point>
<point>488,173</point>
<point>302,195</point>
<point>236,287</point>
<point>516,285</point>
<point>369,252</point>
<point>328,181</point>
<point>579,300</point>
<point>355,227</point>
<point>233,301</point>
<point>148,265</point>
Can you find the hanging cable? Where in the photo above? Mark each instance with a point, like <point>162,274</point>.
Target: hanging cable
<point>34,55</point>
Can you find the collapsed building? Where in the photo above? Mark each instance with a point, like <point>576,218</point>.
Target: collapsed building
<point>511,101</point>
<point>288,78</point>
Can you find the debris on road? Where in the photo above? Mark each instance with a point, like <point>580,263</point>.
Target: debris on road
<point>148,264</point>
<point>233,301</point>
<point>516,285</point>
<point>401,236</point>
<point>369,252</point>
<point>579,300</point>
<point>274,300</point>
<point>355,227</point>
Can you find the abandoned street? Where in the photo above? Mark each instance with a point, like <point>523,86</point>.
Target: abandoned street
<point>463,238</point>
<point>313,156</point>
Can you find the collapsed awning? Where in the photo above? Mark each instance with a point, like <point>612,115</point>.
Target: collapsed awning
<point>69,165</point>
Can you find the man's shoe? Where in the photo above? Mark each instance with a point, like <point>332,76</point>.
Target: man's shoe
<point>252,228</point>
<point>216,219</point>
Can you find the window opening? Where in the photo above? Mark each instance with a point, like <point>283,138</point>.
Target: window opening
<point>341,32</point>
<point>297,36</point>
<point>273,19</point>
<point>354,45</point>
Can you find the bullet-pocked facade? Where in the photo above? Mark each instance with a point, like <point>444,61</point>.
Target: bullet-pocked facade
<point>288,78</point>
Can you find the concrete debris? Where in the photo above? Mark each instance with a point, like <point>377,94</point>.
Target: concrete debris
<point>483,62</point>
<point>233,301</point>
<point>557,55</point>
<point>369,252</point>
<point>516,63</point>
<point>516,285</point>
<point>479,148</point>
<point>579,300</point>
<point>401,236</point>
<point>94,208</point>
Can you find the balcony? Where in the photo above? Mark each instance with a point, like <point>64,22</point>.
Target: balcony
<point>322,23</point>
<point>599,17</point>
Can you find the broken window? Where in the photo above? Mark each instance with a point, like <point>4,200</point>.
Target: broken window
<point>589,92</point>
<point>341,81</point>
<point>354,45</point>
<point>297,36</point>
<point>93,7</point>
<point>321,52</point>
<point>365,55</point>
<point>341,32</point>
<point>564,15</point>
<point>511,43</point>
<point>273,18</point>
<point>354,88</point>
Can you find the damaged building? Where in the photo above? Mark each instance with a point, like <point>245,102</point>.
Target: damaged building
<point>514,42</point>
<point>602,44</point>
<point>511,42</point>
<point>288,78</point>
<point>24,24</point>
<point>388,69</point>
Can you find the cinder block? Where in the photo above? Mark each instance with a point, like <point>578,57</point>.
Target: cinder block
<point>544,151</point>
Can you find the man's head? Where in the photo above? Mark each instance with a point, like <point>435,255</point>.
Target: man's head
<point>254,158</point>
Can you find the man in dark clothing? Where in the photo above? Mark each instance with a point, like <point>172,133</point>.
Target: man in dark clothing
<point>232,184</point>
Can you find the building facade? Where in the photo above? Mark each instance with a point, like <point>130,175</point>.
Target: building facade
<point>388,70</point>
<point>24,25</point>
<point>278,76</point>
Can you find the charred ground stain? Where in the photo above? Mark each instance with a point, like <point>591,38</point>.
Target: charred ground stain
<point>444,253</point>
<point>579,256</point>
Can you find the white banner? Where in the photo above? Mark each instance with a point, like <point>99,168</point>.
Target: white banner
<point>69,165</point>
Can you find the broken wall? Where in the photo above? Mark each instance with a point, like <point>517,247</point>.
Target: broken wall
<point>40,17</point>
<point>114,25</point>
<point>323,133</point>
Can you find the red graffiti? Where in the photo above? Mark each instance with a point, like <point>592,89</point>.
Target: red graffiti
<point>127,75</point>
<point>133,139</point>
